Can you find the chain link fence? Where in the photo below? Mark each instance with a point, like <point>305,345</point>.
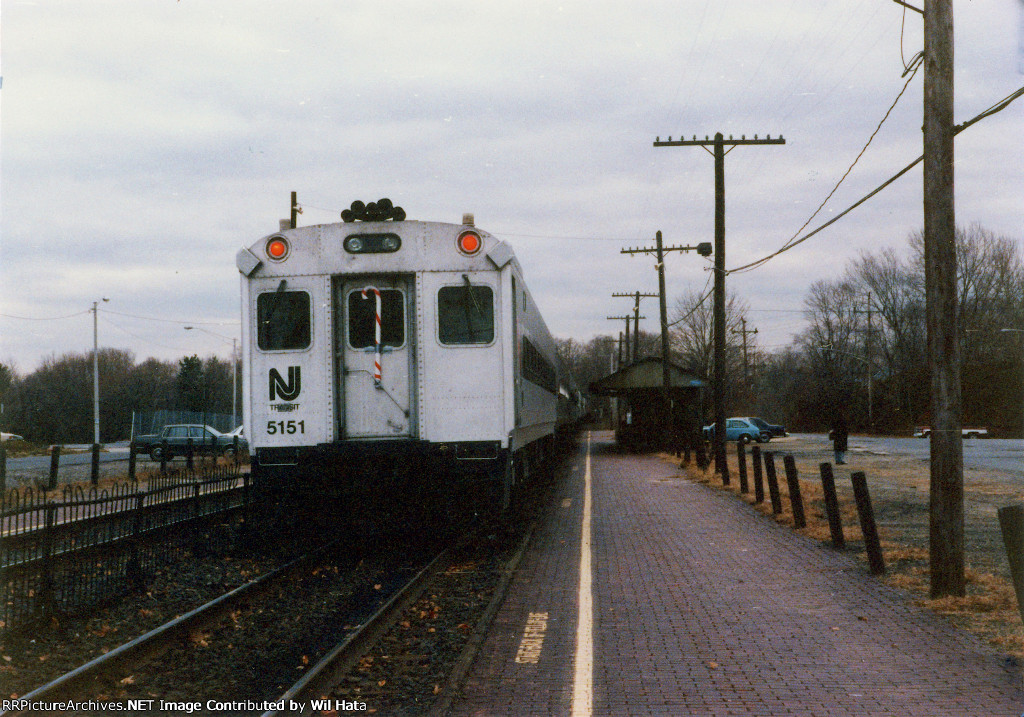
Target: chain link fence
<point>153,421</point>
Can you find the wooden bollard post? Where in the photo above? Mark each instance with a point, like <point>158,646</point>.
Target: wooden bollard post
<point>795,499</point>
<point>1011,523</point>
<point>835,520</point>
<point>702,456</point>
<point>94,473</point>
<point>190,455</point>
<point>3,469</point>
<point>741,462</point>
<point>773,482</point>
<point>164,447</point>
<point>132,457</point>
<point>755,455</point>
<point>867,523</point>
<point>54,467</point>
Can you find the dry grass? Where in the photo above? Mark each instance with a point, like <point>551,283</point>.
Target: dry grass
<point>899,493</point>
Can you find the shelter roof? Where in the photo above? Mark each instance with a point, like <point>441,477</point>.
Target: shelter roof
<point>644,375</point>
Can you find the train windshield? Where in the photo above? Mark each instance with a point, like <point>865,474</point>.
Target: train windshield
<point>283,320</point>
<point>465,315</point>
<point>362,319</point>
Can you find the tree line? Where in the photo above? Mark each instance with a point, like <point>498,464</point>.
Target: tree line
<point>864,352</point>
<point>54,403</point>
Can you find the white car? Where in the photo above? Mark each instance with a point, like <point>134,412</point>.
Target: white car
<point>10,437</point>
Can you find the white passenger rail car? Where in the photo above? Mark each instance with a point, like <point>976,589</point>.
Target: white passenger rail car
<point>384,342</point>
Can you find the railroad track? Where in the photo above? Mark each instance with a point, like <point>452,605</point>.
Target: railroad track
<point>283,601</point>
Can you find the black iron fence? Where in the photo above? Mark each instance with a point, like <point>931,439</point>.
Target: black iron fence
<point>67,551</point>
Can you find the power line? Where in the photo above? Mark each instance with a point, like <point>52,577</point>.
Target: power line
<point>46,318</point>
<point>997,107</point>
<point>915,66</point>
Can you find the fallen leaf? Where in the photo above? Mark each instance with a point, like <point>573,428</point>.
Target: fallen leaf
<point>381,683</point>
<point>129,680</point>
<point>713,665</point>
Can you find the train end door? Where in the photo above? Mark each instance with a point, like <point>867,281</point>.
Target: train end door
<point>376,357</point>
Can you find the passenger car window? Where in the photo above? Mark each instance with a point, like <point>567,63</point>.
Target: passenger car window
<point>283,321</point>
<point>362,319</point>
<point>465,315</point>
<point>178,432</point>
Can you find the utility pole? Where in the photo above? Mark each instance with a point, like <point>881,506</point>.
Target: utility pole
<point>746,363</point>
<point>296,210</point>
<point>946,529</point>
<point>719,143</point>
<point>704,249</point>
<point>627,319</point>
<point>96,373</point>
<point>636,296</point>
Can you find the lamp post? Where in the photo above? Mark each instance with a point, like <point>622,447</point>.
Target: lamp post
<point>1021,332</point>
<point>96,373</point>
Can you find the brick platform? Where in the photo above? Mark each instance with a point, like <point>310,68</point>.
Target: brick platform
<point>704,607</point>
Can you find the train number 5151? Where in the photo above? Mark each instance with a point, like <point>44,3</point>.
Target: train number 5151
<point>289,427</point>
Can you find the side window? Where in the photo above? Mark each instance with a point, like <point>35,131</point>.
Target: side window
<point>283,320</point>
<point>465,315</point>
<point>536,368</point>
<point>362,319</point>
<point>178,432</point>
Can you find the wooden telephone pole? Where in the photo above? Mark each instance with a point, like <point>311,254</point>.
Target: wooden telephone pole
<point>636,296</point>
<point>746,361</point>
<point>719,143</point>
<point>946,544</point>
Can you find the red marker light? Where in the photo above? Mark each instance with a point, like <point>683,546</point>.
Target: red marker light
<point>277,248</point>
<point>469,242</point>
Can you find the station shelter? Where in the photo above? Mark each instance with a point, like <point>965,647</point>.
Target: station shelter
<point>645,415</point>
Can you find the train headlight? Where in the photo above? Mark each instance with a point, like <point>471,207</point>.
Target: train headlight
<point>277,248</point>
<point>469,243</point>
<point>372,243</point>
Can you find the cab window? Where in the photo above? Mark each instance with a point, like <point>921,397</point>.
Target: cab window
<point>465,315</point>
<point>283,320</point>
<point>362,319</point>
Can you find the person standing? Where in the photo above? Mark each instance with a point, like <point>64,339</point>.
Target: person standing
<point>839,436</point>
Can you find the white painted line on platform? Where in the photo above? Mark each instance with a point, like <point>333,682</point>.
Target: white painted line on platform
<point>583,681</point>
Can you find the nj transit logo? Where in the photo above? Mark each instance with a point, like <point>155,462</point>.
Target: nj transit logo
<point>286,390</point>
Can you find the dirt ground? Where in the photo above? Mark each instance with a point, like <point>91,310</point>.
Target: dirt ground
<point>899,488</point>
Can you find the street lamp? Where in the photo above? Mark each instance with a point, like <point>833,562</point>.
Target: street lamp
<point>96,373</point>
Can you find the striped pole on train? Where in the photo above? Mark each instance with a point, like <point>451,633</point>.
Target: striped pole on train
<point>376,335</point>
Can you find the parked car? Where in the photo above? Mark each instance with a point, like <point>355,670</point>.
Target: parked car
<point>243,444</point>
<point>739,429</point>
<point>10,437</point>
<point>925,431</point>
<point>205,441</point>
<point>774,429</point>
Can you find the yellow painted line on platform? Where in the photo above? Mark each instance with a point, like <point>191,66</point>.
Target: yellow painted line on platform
<point>583,681</point>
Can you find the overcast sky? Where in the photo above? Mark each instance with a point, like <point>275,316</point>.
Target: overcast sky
<point>143,143</point>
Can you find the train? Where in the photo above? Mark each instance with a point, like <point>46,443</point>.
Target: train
<point>381,344</point>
